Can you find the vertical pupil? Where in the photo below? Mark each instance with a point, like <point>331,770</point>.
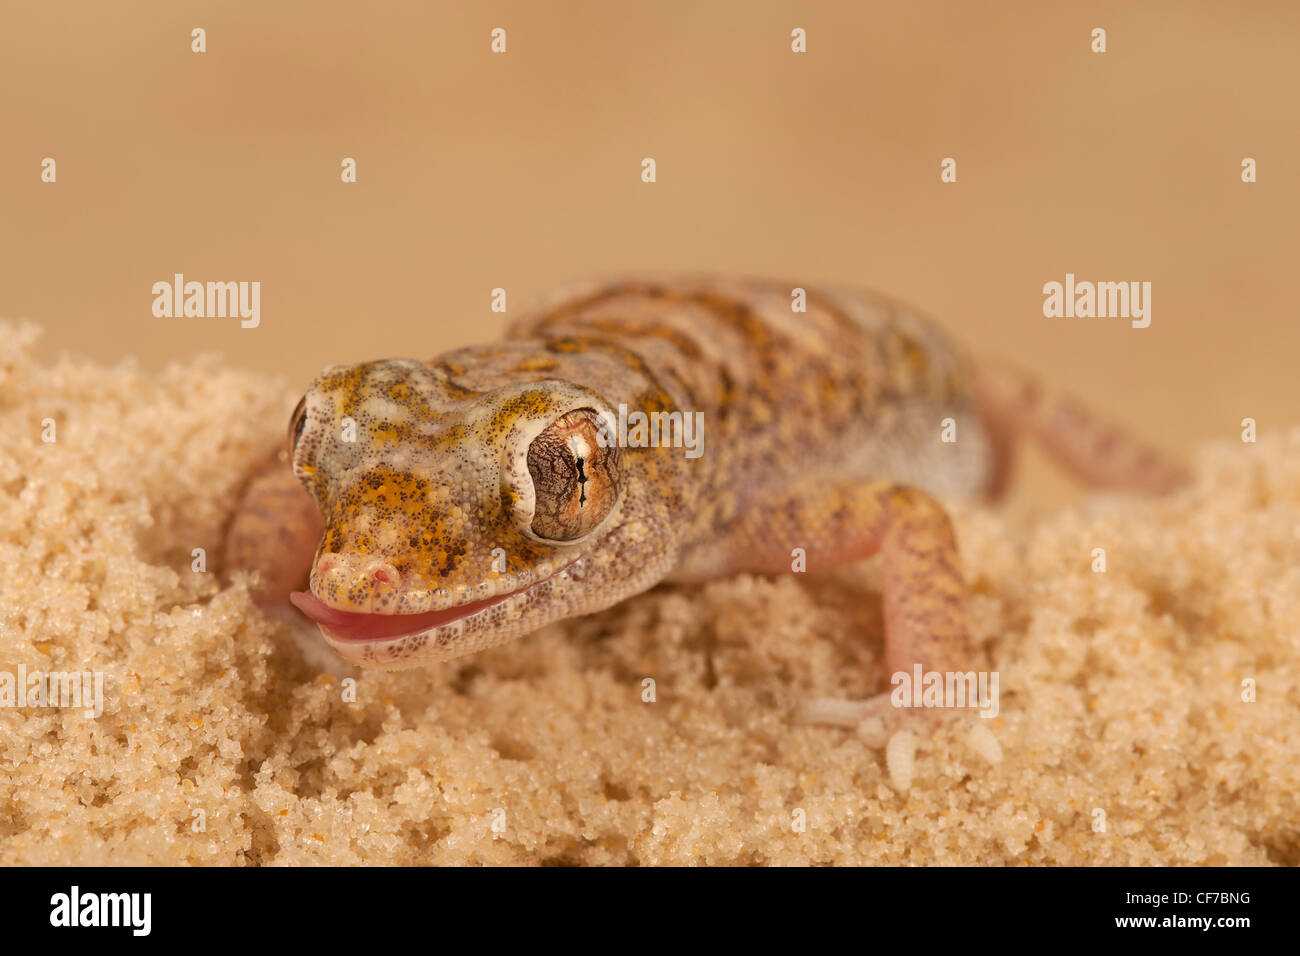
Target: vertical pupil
<point>582,484</point>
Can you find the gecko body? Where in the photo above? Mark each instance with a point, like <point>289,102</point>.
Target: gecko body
<point>474,498</point>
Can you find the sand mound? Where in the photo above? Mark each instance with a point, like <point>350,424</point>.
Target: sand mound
<point>220,742</point>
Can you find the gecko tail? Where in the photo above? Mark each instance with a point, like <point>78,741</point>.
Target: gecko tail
<point>1096,452</point>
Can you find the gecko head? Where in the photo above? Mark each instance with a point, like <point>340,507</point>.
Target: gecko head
<point>454,519</point>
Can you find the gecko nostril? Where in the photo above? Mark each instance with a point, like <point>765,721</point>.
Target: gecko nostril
<point>324,565</point>
<point>385,574</point>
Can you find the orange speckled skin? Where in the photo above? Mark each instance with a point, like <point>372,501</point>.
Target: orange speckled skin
<point>410,461</point>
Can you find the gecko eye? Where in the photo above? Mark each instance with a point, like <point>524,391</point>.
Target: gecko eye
<point>296,423</point>
<point>576,480</point>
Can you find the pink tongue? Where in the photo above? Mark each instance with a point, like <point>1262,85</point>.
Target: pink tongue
<point>352,626</point>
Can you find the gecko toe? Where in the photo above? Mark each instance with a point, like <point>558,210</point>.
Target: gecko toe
<point>901,732</point>
<point>900,759</point>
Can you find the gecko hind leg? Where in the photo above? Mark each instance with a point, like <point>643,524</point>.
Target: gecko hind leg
<point>837,522</point>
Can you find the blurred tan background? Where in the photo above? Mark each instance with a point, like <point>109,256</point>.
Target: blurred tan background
<point>522,170</point>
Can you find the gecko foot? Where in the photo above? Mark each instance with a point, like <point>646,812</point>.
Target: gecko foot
<point>901,732</point>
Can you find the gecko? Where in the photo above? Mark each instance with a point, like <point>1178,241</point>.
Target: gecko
<point>440,507</point>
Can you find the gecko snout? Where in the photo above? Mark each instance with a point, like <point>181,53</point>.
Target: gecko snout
<point>362,584</point>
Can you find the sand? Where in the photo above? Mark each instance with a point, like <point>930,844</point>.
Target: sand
<point>226,740</point>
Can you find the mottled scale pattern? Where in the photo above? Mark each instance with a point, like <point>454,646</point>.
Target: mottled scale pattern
<point>418,466</point>
<point>855,386</point>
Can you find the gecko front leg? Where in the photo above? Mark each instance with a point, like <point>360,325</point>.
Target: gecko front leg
<point>840,521</point>
<point>275,531</point>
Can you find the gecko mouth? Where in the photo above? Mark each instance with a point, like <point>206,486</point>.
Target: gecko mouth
<point>360,626</point>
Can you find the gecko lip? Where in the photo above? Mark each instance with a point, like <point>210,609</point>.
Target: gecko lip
<point>360,626</point>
